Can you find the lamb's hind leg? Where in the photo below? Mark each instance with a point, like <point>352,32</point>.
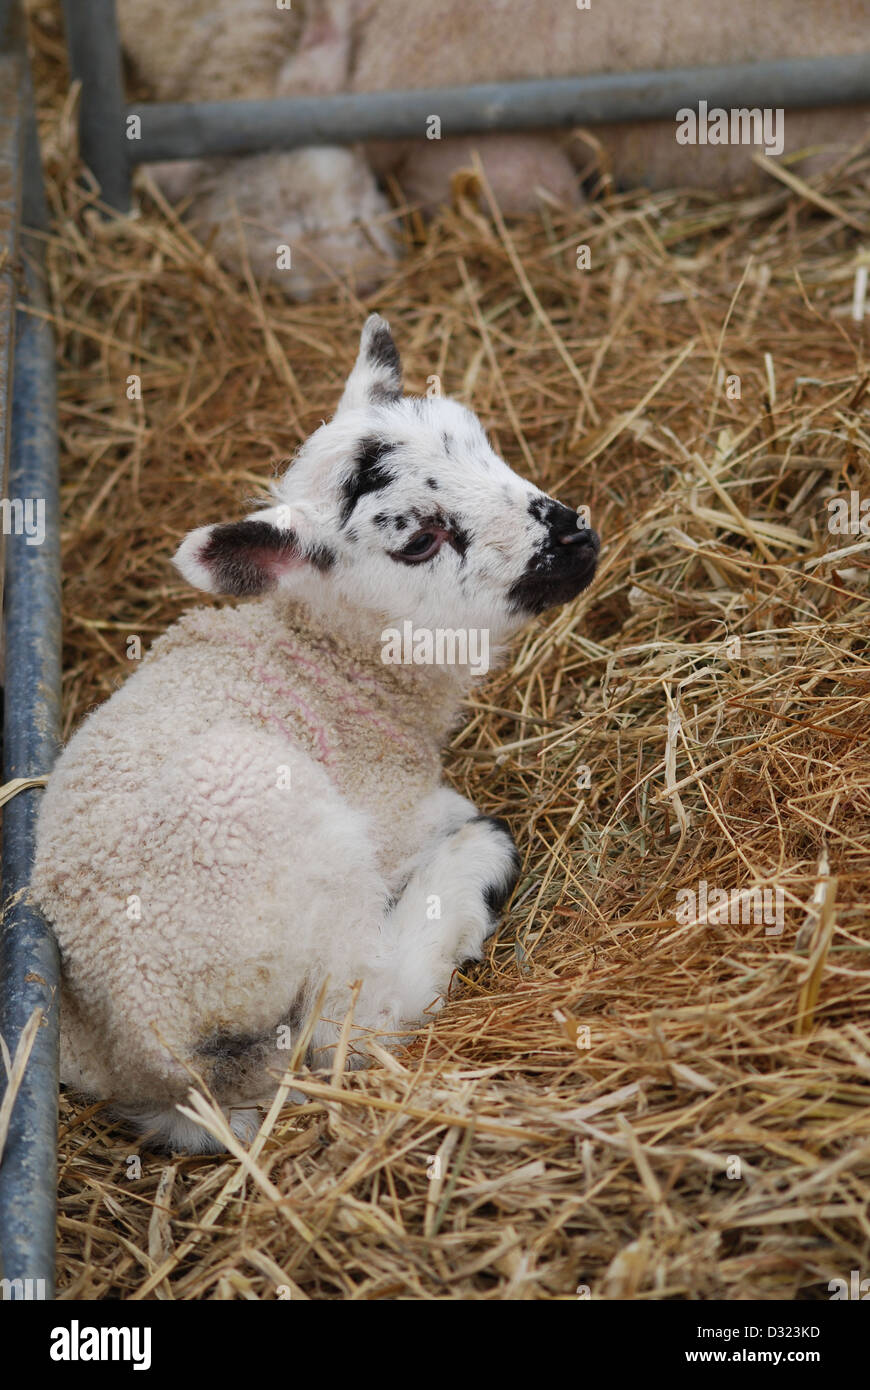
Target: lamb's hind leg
<point>448,907</point>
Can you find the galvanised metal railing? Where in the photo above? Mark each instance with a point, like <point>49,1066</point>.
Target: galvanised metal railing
<point>29,968</point>
<point>112,146</point>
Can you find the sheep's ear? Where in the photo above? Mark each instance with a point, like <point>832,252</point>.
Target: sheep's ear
<point>247,557</point>
<point>377,375</point>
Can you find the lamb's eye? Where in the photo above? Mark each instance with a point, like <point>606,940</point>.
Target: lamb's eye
<point>420,547</point>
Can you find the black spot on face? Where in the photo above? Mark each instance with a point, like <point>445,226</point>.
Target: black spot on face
<point>369,474</point>
<point>433,483</point>
<point>447,443</point>
<point>321,557</point>
<point>400,523</point>
<point>459,538</point>
<point>381,520</point>
<point>560,520</point>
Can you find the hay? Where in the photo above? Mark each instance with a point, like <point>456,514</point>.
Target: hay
<point>699,714</point>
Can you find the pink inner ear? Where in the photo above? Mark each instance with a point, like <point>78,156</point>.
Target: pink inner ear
<point>274,564</point>
<point>247,557</point>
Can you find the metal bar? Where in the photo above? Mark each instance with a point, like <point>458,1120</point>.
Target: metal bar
<point>196,129</point>
<point>95,60</point>
<point>11,149</point>
<point>29,966</point>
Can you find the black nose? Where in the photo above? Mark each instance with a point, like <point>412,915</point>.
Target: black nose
<point>583,535</point>
<point>567,528</point>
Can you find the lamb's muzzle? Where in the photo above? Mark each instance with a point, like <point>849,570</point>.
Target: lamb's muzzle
<point>562,566</point>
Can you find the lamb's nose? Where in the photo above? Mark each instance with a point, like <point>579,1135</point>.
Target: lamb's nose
<point>581,535</point>
<point>566,527</point>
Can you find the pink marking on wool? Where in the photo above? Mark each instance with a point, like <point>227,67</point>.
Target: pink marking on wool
<point>353,672</point>
<point>357,674</point>
<point>390,729</point>
<point>307,712</point>
<point>291,734</point>
<point>305,709</point>
<point>364,711</point>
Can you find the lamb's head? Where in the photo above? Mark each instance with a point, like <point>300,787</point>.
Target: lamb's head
<point>399,509</point>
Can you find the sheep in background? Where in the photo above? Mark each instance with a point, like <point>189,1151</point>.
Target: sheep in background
<point>325,203</point>
<point>455,43</point>
<point>259,812</point>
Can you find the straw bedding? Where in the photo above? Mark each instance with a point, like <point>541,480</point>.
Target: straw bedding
<point>617,1101</point>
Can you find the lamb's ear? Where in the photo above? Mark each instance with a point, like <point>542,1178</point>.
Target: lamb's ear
<point>247,557</point>
<point>377,375</point>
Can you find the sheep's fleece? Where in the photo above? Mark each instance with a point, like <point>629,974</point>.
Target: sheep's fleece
<point>258,814</point>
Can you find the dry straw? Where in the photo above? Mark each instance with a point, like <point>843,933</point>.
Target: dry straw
<point>699,715</point>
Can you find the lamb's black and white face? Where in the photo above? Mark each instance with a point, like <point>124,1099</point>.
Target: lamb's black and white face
<point>399,506</point>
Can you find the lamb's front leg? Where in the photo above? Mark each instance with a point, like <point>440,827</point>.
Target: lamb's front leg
<point>448,907</point>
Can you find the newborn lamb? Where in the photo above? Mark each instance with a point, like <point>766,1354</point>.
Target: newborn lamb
<point>259,812</point>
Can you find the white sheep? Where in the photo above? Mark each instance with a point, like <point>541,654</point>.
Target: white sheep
<point>397,44</point>
<point>259,811</point>
<point>325,203</point>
